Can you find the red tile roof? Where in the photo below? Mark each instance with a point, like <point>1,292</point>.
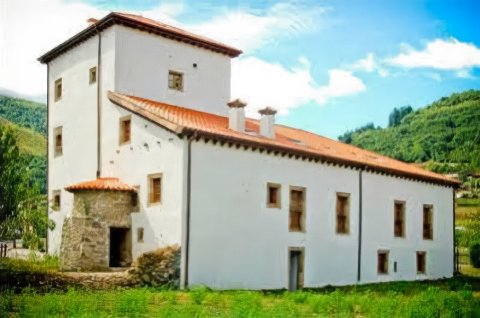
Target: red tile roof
<point>296,142</point>
<point>143,24</point>
<point>107,184</point>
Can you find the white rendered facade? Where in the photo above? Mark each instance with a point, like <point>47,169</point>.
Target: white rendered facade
<point>234,240</point>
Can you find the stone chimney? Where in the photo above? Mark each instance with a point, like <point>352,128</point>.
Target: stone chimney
<point>236,115</point>
<point>267,122</point>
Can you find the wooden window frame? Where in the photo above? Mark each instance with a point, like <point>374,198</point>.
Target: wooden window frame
<point>427,228</point>
<point>56,194</point>
<point>421,268</point>
<point>302,216</point>
<point>57,89</point>
<point>401,221</point>
<point>121,135</point>
<point>172,75</point>
<point>278,195</point>
<point>57,149</point>
<point>151,198</point>
<point>383,270</point>
<point>345,230</point>
<point>92,75</point>
<point>140,234</point>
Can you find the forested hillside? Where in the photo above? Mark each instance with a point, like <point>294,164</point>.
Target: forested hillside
<point>24,113</point>
<point>28,122</point>
<point>446,132</point>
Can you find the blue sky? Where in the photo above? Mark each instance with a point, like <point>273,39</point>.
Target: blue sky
<point>328,66</point>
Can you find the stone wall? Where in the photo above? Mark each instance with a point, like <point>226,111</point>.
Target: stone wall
<point>86,235</point>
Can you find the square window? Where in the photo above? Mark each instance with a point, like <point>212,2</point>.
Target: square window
<point>56,200</point>
<point>428,222</point>
<point>421,262</point>
<point>399,219</point>
<point>175,80</point>
<point>125,130</point>
<point>58,141</point>
<point>92,75</point>
<point>382,262</point>
<point>297,209</point>
<point>343,213</point>
<point>273,195</point>
<point>140,235</point>
<point>155,189</point>
<point>58,89</point>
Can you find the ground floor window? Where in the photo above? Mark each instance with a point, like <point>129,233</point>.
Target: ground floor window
<point>421,260</point>
<point>382,262</point>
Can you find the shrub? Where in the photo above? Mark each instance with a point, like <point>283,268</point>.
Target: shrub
<point>475,254</point>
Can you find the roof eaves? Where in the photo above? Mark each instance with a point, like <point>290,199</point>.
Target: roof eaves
<point>309,154</point>
<point>125,103</point>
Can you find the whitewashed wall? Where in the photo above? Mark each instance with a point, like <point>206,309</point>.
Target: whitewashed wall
<point>76,113</point>
<point>143,61</point>
<point>379,194</point>
<point>237,242</point>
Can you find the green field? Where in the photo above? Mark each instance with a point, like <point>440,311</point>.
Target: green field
<point>446,298</point>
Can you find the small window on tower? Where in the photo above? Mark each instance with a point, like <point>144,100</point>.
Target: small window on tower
<point>343,212</point>
<point>155,189</point>
<point>58,89</point>
<point>58,140</point>
<point>125,130</point>
<point>297,209</point>
<point>92,75</point>
<point>56,200</point>
<point>140,235</point>
<point>175,80</point>
<point>273,195</point>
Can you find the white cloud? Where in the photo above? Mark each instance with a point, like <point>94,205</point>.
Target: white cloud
<point>368,64</point>
<point>249,31</point>
<point>449,54</point>
<point>262,84</point>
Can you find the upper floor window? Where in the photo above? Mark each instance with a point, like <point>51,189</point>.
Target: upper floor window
<point>175,80</point>
<point>273,195</point>
<point>58,141</point>
<point>399,219</point>
<point>428,222</point>
<point>154,188</point>
<point>58,90</point>
<point>125,129</point>
<point>92,75</point>
<point>297,209</point>
<point>343,213</point>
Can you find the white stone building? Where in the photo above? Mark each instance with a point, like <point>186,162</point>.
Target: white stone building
<point>252,204</point>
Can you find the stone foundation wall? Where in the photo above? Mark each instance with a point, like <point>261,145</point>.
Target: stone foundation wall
<point>85,242</point>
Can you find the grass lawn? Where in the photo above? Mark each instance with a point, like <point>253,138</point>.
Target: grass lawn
<point>456,297</point>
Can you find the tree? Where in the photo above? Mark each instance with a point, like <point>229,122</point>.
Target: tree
<point>22,209</point>
<point>396,116</point>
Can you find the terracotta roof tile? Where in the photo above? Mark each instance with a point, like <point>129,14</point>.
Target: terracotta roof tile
<point>109,184</point>
<point>184,121</point>
<point>144,24</point>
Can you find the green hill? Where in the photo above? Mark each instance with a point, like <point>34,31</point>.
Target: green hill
<point>24,113</point>
<point>28,122</point>
<point>446,132</point>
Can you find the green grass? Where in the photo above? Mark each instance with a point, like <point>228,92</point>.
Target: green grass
<point>446,298</point>
<point>44,265</point>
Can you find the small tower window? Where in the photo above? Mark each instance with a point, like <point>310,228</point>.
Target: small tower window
<point>56,200</point>
<point>175,80</point>
<point>343,213</point>
<point>92,75</point>
<point>421,268</point>
<point>154,188</point>
<point>58,89</point>
<point>428,222</point>
<point>297,209</point>
<point>140,235</point>
<point>382,262</point>
<point>58,140</point>
<point>399,219</point>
